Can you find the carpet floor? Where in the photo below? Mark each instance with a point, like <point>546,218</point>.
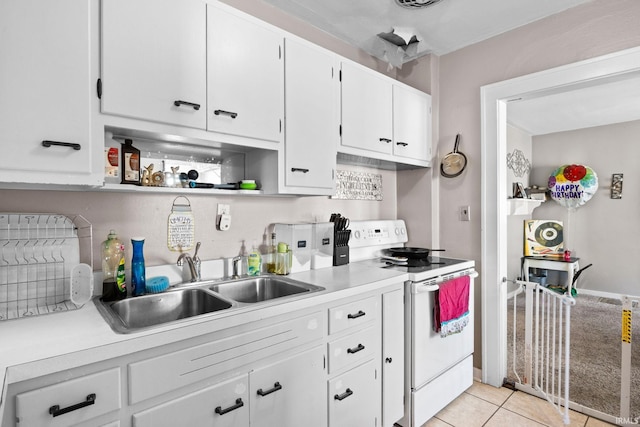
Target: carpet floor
<point>595,355</point>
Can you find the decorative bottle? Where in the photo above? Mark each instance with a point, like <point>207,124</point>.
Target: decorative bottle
<point>113,283</point>
<point>138,275</point>
<point>272,254</point>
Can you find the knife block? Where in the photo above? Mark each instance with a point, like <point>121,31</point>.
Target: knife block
<point>341,247</point>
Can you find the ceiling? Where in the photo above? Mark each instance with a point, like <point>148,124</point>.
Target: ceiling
<point>449,25</point>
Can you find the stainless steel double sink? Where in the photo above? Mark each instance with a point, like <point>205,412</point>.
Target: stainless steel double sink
<point>196,299</point>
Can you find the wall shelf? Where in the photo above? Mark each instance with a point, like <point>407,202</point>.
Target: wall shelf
<point>171,190</point>
<point>522,206</point>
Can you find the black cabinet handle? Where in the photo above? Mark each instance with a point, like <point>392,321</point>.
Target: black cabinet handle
<point>404,144</point>
<point>55,409</point>
<point>303,170</point>
<point>47,143</point>
<point>360,313</point>
<point>360,347</point>
<point>387,140</point>
<point>228,113</point>
<point>178,103</point>
<point>388,360</point>
<point>239,404</point>
<point>344,395</point>
<point>276,387</point>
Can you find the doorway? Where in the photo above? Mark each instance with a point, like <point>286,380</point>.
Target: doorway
<point>494,99</point>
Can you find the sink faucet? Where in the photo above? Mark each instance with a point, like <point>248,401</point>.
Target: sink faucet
<point>193,263</point>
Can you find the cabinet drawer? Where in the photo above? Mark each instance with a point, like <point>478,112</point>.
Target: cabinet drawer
<point>352,314</point>
<point>158,375</point>
<point>70,402</point>
<point>352,349</point>
<point>225,404</point>
<point>354,398</point>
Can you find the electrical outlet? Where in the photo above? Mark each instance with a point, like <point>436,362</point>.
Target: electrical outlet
<point>224,209</point>
<point>465,213</point>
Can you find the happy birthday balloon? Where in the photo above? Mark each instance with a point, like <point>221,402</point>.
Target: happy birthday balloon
<point>573,185</point>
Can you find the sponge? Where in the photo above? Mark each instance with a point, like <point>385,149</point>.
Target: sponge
<point>158,284</point>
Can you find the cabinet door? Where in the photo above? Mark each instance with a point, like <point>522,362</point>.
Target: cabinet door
<point>245,76</point>
<point>223,405</point>
<point>354,398</point>
<point>392,357</point>
<point>311,131</point>
<point>366,109</point>
<point>46,92</point>
<point>154,60</point>
<point>411,123</point>
<point>290,393</point>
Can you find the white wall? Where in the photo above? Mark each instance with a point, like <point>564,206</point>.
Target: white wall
<point>603,231</point>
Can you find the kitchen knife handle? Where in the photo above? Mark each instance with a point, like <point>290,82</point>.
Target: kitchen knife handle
<point>276,387</point>
<point>228,113</point>
<point>56,411</point>
<point>239,404</point>
<point>178,103</point>
<point>46,143</point>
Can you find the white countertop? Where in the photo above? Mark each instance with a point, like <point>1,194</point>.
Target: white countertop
<point>40,345</point>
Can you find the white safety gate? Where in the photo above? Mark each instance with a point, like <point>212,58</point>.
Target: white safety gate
<point>545,371</point>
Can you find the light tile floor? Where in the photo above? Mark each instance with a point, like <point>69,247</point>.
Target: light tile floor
<point>484,405</point>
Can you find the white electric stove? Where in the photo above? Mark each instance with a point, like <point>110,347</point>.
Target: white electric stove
<point>437,370</point>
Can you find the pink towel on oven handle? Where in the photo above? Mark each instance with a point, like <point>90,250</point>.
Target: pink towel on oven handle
<point>451,306</point>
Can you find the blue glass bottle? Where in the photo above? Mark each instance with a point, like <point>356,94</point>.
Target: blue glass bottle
<point>138,275</point>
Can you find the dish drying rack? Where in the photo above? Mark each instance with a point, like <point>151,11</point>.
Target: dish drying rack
<point>39,259</point>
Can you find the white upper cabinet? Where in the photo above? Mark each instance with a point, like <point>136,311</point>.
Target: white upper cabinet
<point>154,60</point>
<point>245,75</point>
<point>411,123</point>
<point>311,136</point>
<point>366,109</point>
<point>45,93</point>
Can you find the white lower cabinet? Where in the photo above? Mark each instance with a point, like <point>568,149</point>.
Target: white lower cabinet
<point>222,405</point>
<point>354,398</point>
<point>392,357</point>
<point>289,393</point>
<point>70,402</point>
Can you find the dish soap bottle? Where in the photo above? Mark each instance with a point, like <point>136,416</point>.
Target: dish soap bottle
<point>113,284</point>
<point>272,255</point>
<point>254,263</point>
<point>138,274</point>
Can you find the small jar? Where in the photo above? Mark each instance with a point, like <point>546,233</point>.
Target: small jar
<point>283,259</point>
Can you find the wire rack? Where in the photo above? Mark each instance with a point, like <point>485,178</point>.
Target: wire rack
<point>37,255</point>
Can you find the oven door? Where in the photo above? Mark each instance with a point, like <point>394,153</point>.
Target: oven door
<point>431,355</point>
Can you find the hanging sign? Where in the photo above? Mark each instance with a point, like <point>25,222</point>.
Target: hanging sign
<point>180,227</point>
<point>573,185</point>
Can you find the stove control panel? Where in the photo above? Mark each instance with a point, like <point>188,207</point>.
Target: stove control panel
<point>379,232</point>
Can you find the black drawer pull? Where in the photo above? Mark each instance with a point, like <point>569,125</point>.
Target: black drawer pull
<point>55,409</point>
<point>360,347</point>
<point>178,103</point>
<point>276,387</point>
<point>303,170</point>
<point>239,404</point>
<point>360,313</point>
<point>387,140</point>
<point>343,395</point>
<point>404,144</point>
<point>228,113</point>
<point>47,143</point>
<point>388,360</point>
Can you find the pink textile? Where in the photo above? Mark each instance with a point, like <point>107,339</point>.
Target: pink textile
<point>451,309</point>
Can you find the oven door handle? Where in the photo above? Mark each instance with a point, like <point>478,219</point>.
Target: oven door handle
<point>431,285</point>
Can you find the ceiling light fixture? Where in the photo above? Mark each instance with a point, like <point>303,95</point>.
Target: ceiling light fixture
<point>416,4</point>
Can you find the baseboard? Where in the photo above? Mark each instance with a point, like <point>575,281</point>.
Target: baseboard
<point>605,294</point>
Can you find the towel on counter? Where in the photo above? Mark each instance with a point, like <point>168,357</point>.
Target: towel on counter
<point>451,306</point>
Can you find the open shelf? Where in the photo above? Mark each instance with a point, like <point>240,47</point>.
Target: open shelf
<point>522,206</point>
<point>176,190</point>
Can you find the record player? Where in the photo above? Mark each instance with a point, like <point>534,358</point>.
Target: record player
<point>543,237</point>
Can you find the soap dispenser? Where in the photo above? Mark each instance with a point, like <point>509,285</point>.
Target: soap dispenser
<point>138,274</point>
<point>254,263</point>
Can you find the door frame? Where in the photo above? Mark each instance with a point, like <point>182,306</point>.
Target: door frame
<point>494,99</point>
